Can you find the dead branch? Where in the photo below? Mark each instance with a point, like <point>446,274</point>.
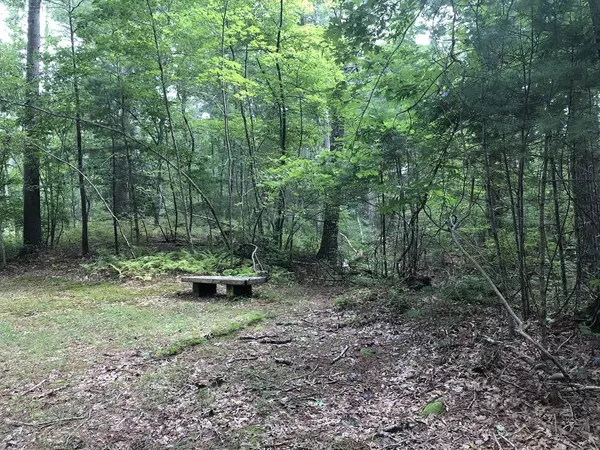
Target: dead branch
<point>50,392</point>
<point>275,341</point>
<point>341,355</point>
<point>583,387</point>
<point>519,326</point>
<point>285,362</point>
<point>256,338</point>
<point>33,388</point>
<point>306,374</point>
<point>42,424</point>
<point>247,358</point>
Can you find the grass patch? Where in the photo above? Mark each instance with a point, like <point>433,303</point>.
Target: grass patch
<point>239,323</point>
<point>367,352</point>
<point>59,324</point>
<point>416,313</point>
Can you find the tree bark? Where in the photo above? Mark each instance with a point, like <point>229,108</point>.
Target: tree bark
<point>329,248</point>
<point>85,246</point>
<point>584,171</point>
<point>32,215</point>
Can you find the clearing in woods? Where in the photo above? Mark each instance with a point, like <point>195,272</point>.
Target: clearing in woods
<point>105,365</point>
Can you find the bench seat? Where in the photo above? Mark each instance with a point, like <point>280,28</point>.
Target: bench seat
<point>206,285</point>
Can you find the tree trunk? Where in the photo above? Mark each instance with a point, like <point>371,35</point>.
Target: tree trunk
<point>85,246</point>
<point>32,215</point>
<point>3,264</point>
<point>584,171</point>
<point>114,195</point>
<point>281,101</point>
<point>170,124</point>
<point>329,249</point>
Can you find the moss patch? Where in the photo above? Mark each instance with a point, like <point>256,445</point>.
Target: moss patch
<point>239,323</point>
<point>435,407</point>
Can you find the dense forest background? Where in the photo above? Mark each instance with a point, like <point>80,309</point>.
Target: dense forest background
<point>374,136</point>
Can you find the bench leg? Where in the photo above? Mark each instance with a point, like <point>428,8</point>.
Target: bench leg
<point>239,290</point>
<point>204,290</point>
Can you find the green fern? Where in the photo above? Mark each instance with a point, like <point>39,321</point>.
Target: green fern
<point>149,266</point>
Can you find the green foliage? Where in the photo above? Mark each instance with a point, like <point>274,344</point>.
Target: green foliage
<point>367,352</point>
<point>468,289</point>
<point>416,313</point>
<point>436,407</point>
<point>150,266</point>
<point>387,301</point>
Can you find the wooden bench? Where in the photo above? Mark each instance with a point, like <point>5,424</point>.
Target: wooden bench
<point>206,285</point>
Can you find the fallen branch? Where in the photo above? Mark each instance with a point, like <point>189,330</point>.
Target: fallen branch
<point>583,387</point>
<point>255,338</point>
<point>247,358</point>
<point>518,323</point>
<point>50,392</point>
<point>567,340</point>
<point>285,362</point>
<point>341,355</point>
<point>306,374</point>
<point>275,341</point>
<point>33,388</point>
<point>42,424</point>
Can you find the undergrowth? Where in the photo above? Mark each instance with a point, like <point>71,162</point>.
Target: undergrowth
<point>371,301</point>
<point>149,266</point>
<point>470,289</point>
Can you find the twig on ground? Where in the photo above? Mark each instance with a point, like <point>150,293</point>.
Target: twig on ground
<point>568,339</point>
<point>43,424</point>
<point>50,392</point>
<point>305,374</point>
<point>472,402</point>
<point>341,355</point>
<point>506,439</point>
<point>497,442</point>
<point>256,338</point>
<point>582,387</point>
<point>275,341</point>
<point>521,388</point>
<point>285,362</point>
<point>33,388</point>
<point>247,358</point>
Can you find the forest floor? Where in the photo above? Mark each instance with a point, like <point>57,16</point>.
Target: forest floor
<point>285,370</point>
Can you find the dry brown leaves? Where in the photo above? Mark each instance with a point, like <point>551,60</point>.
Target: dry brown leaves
<point>250,393</point>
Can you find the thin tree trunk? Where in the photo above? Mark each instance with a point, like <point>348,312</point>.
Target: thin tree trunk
<point>163,84</point>
<point>114,195</point>
<point>226,138</point>
<point>329,248</point>
<point>3,264</point>
<point>558,229</point>
<point>543,307</point>
<point>85,246</point>
<point>32,214</point>
<point>280,218</point>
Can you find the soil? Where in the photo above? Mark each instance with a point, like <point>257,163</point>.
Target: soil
<point>318,378</point>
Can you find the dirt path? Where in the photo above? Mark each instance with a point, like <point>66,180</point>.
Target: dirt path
<point>311,378</point>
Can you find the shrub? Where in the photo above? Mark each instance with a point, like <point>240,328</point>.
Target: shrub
<point>149,266</point>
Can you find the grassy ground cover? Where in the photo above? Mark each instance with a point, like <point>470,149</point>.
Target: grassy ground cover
<point>56,324</point>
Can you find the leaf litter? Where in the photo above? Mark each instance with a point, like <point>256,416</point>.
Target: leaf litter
<point>316,378</point>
